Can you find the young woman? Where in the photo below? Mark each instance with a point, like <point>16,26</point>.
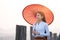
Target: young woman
<point>40,28</point>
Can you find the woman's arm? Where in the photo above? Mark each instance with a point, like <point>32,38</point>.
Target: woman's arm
<point>33,30</point>
<point>47,30</point>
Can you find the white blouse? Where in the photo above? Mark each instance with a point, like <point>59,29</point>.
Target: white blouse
<point>41,28</point>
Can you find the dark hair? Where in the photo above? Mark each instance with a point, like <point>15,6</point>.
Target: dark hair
<point>42,14</point>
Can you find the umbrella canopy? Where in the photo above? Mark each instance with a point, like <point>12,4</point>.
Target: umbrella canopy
<point>29,13</point>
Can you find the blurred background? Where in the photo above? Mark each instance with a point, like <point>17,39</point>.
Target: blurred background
<point>11,15</point>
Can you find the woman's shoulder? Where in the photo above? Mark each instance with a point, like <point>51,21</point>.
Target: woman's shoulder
<point>33,24</point>
<point>44,23</point>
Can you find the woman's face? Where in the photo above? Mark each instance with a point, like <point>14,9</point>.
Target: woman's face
<point>38,16</point>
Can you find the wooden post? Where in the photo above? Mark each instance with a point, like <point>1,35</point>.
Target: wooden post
<point>55,36</point>
<point>31,33</point>
<point>20,32</point>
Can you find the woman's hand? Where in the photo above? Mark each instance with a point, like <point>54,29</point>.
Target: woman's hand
<point>34,32</point>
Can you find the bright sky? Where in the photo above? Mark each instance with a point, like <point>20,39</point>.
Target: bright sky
<point>11,14</point>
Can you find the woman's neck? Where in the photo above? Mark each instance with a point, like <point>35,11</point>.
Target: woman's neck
<point>39,21</point>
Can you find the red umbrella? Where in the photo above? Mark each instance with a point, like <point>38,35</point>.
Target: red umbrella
<point>29,13</point>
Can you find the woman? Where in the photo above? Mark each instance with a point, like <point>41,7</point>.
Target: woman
<point>40,28</point>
